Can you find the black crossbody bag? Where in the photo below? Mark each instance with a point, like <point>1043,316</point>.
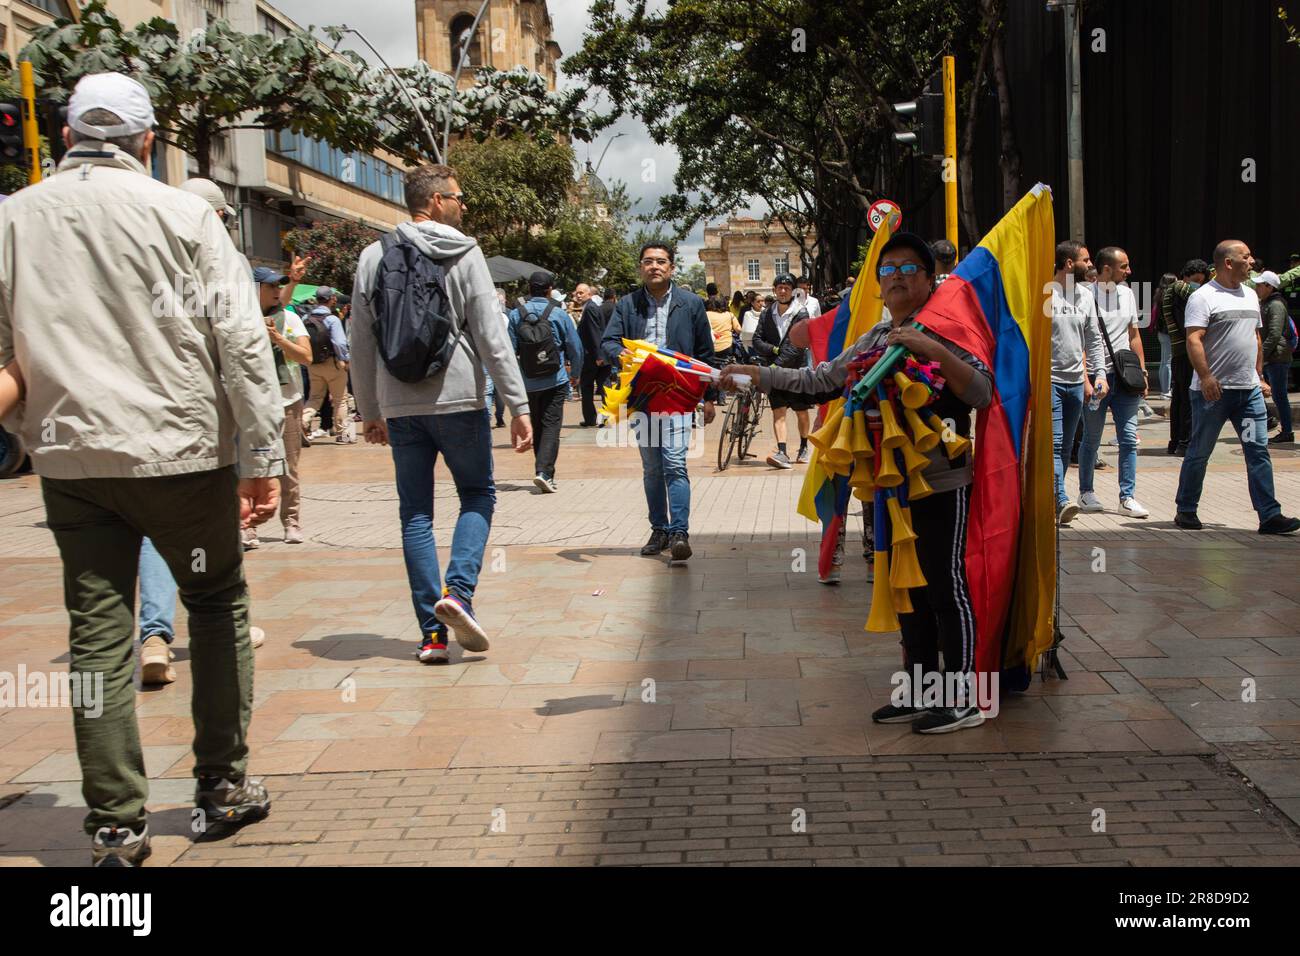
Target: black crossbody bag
<point>1129,374</point>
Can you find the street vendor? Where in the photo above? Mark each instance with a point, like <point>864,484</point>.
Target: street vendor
<point>942,617</point>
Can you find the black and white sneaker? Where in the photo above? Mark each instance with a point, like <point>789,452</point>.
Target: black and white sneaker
<point>892,714</point>
<point>944,720</point>
<point>120,846</point>
<point>679,546</point>
<point>657,544</point>
<point>226,804</point>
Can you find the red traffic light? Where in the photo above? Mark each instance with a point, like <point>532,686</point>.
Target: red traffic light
<point>7,118</point>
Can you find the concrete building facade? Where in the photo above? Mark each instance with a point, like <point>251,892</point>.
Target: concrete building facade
<point>742,254</point>
<point>512,33</point>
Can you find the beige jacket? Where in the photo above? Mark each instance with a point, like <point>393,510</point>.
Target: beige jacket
<point>136,328</point>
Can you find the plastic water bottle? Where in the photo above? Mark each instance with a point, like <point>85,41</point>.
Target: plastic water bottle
<point>1094,403</point>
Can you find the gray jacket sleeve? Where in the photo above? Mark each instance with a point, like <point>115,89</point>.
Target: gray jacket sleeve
<point>361,336</point>
<point>481,313</point>
<point>1094,350</point>
<point>244,353</point>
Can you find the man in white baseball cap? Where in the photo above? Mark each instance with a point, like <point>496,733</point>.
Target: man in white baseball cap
<point>135,395</point>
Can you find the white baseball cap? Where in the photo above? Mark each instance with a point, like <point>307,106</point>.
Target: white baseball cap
<point>1268,278</point>
<point>119,94</point>
<point>208,190</point>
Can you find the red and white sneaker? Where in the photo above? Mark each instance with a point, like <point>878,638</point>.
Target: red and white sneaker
<point>431,652</point>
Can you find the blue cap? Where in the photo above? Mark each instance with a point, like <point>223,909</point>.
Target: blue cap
<point>263,275</point>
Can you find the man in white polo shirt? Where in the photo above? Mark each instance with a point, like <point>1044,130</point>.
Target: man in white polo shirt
<point>1223,344</point>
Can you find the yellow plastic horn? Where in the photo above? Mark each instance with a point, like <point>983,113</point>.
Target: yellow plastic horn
<point>862,449</point>
<point>912,393</point>
<point>882,617</point>
<point>953,444</point>
<point>824,437</point>
<point>893,435</point>
<point>925,438</point>
<point>913,460</point>
<point>900,521</point>
<point>905,570</point>
<point>841,451</point>
<point>902,601</point>
<point>917,486</point>
<point>888,475</point>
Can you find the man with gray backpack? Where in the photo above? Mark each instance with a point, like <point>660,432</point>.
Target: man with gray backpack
<point>425,323</point>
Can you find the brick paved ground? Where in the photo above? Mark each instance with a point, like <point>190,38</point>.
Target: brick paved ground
<point>755,668</point>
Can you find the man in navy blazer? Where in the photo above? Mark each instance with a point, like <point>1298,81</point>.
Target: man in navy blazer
<point>669,317</point>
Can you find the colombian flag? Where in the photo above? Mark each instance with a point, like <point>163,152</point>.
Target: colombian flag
<point>824,497</point>
<point>993,307</point>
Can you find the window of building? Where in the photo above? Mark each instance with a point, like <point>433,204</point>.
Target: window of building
<point>359,170</point>
<point>751,267</point>
<point>781,264</point>
<point>271,26</point>
<point>460,25</point>
<point>57,7</point>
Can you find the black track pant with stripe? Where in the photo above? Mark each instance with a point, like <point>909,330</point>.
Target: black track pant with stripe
<point>942,618</point>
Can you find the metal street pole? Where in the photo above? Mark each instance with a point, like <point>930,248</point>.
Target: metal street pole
<point>950,150</point>
<point>433,143</point>
<point>465,38</point>
<point>1074,118</point>
<point>31,130</point>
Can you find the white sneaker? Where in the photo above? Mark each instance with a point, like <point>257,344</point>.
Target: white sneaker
<point>256,637</point>
<point>1090,504</point>
<point>1130,507</point>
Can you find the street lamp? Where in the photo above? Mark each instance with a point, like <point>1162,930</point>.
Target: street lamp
<point>1073,112</point>
<point>465,39</point>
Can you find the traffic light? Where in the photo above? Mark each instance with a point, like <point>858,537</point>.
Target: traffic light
<point>13,150</point>
<point>926,114</point>
<point>53,117</point>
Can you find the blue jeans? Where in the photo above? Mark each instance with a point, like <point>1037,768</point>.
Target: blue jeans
<point>1067,406</point>
<point>464,440</point>
<point>1124,409</point>
<point>1276,373</point>
<point>1239,406</point>
<point>663,440</point>
<point>491,395</point>
<point>157,595</point>
<point>1166,362</point>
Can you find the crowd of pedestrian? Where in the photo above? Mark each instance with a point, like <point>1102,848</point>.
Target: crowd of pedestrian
<point>167,429</point>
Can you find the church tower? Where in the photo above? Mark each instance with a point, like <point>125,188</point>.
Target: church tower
<point>512,33</point>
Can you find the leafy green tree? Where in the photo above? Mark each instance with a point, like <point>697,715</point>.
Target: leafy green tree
<point>576,248</point>
<point>511,184</point>
<point>220,80</point>
<point>334,248</point>
<point>693,277</point>
<point>787,101</point>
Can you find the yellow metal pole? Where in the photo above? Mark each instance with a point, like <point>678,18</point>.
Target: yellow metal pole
<point>31,131</point>
<point>950,148</point>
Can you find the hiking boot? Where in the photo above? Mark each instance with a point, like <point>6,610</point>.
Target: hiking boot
<point>1280,524</point>
<point>679,546</point>
<point>434,650</point>
<point>119,846</point>
<point>1187,520</point>
<point>779,459</point>
<point>657,544</point>
<point>227,803</point>
<point>944,720</point>
<point>458,613</point>
<point>156,661</point>
<point>892,714</point>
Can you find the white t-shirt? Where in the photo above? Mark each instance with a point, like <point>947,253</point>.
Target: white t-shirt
<point>1230,318</point>
<point>289,324</point>
<point>1117,310</point>
<point>814,307</point>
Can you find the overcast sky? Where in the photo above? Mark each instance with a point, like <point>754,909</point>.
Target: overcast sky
<point>390,26</point>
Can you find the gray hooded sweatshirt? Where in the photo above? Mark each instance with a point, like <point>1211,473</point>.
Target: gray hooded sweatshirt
<point>475,310</point>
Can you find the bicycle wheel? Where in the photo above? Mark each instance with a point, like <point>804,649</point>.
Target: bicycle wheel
<point>727,437</point>
<point>753,419</point>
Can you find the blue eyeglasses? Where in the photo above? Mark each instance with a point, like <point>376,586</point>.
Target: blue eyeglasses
<point>907,269</point>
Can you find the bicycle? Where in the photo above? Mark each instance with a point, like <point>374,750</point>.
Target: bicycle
<point>740,425</point>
